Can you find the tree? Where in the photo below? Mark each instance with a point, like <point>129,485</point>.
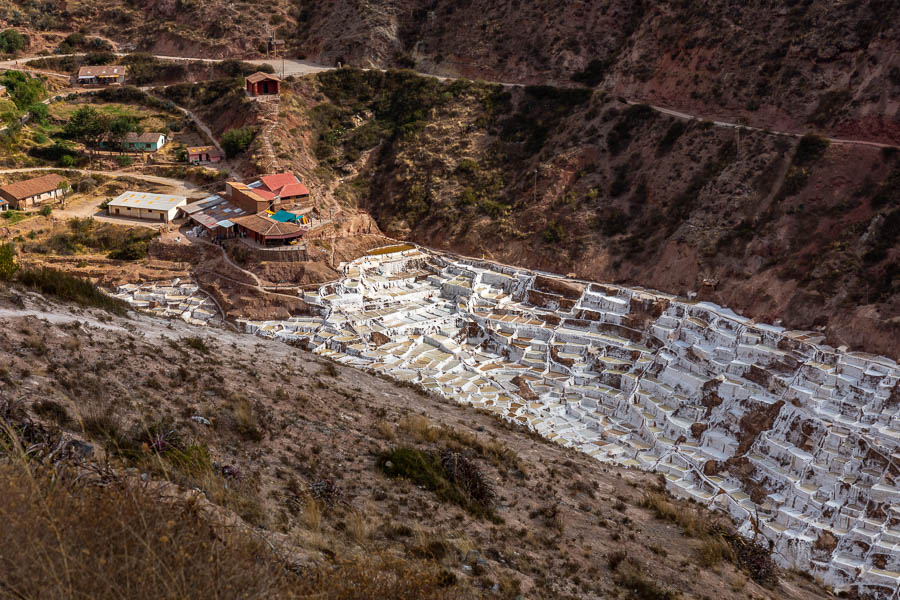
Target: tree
<point>235,141</point>
<point>11,41</point>
<point>8,265</point>
<point>120,127</point>
<point>39,113</point>
<point>22,89</point>
<point>88,126</point>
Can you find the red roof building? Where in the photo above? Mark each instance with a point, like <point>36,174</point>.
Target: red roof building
<point>260,84</point>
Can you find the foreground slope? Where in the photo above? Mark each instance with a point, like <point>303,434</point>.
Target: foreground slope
<point>294,450</point>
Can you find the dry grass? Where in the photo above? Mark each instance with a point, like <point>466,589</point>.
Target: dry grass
<point>692,523</point>
<point>70,532</point>
<point>422,430</point>
<point>119,541</point>
<point>385,430</point>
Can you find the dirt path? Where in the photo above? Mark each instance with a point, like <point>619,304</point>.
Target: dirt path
<point>181,186</point>
<point>689,117</point>
<point>288,67</point>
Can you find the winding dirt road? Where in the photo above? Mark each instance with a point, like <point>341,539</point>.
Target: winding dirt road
<point>289,66</point>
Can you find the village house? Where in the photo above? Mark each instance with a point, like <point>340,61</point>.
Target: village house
<point>263,84</point>
<point>137,142</point>
<point>202,155</point>
<point>267,231</point>
<point>214,215</point>
<point>102,75</point>
<point>34,193</point>
<point>149,207</point>
<point>273,211</point>
<point>269,192</point>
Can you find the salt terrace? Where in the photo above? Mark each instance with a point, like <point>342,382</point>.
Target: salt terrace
<point>172,299</point>
<point>796,440</point>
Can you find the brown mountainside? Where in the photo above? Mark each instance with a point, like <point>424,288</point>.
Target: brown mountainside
<point>800,65</point>
<point>574,181</point>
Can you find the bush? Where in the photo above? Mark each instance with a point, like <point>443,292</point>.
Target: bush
<point>46,210</point>
<point>87,185</point>
<point>674,132</point>
<point>11,41</point>
<point>70,288</point>
<point>452,477</point>
<point>592,74</point>
<point>236,141</point>
<point>39,112</point>
<point>8,265</point>
<point>809,149</point>
<point>554,233</point>
<point>125,161</point>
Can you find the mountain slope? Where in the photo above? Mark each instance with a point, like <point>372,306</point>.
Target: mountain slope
<point>292,451</point>
<point>572,181</point>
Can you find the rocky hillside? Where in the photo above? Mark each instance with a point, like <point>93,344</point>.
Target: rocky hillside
<point>778,227</point>
<point>228,470</point>
<point>799,65</point>
<point>805,64</point>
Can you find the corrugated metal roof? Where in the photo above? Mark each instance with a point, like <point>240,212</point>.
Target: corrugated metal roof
<point>148,201</point>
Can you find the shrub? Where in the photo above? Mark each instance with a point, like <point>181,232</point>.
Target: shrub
<point>235,141</point>
<point>592,74</point>
<point>450,476</point>
<point>554,233</point>
<point>8,265</point>
<point>39,112</point>
<point>70,288</point>
<point>49,409</point>
<point>672,134</point>
<point>125,161</point>
<point>46,210</point>
<point>619,137</point>
<point>11,41</point>
<point>809,149</point>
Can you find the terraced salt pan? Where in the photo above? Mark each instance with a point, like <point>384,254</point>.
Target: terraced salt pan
<point>796,440</point>
<point>171,299</point>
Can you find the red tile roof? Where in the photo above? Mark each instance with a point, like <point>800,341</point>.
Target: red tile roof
<point>284,185</point>
<point>32,187</point>
<point>260,76</point>
<point>279,180</point>
<point>293,189</point>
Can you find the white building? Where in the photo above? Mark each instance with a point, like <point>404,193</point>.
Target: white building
<point>150,207</point>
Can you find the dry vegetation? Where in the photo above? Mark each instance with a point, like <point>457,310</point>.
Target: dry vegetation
<point>202,443</point>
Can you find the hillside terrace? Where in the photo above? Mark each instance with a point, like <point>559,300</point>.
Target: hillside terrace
<point>816,429</point>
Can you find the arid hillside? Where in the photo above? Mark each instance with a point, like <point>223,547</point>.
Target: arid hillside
<point>231,458</point>
<point>778,227</point>
<point>800,65</point>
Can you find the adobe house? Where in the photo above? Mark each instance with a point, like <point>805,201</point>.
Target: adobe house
<point>267,231</point>
<point>263,84</point>
<point>33,193</point>
<point>138,142</point>
<point>269,192</point>
<point>201,155</point>
<point>102,75</point>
